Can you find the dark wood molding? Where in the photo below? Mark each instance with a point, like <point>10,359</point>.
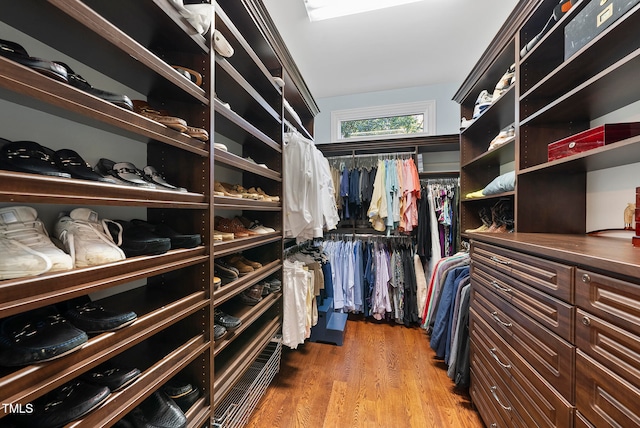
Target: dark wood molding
<point>272,34</point>
<point>450,142</point>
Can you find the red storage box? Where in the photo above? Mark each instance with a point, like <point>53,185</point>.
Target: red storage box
<point>592,138</point>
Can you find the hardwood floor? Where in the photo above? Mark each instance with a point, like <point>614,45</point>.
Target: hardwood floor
<point>384,376</point>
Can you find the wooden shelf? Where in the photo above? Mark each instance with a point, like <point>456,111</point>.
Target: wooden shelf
<point>25,384</point>
<point>496,157</point>
<point>248,315</point>
<point>138,67</point>
<point>27,87</point>
<point>34,188</point>
<point>242,164</point>
<point>120,403</point>
<point>22,294</point>
<point>229,203</point>
<point>235,122</point>
<point>234,288</point>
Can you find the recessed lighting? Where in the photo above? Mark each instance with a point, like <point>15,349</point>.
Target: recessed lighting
<point>327,9</point>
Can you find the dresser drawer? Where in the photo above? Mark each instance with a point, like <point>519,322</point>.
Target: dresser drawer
<point>535,401</point>
<point>613,300</point>
<point>491,386</point>
<point>604,398</point>
<point>610,345</point>
<point>551,312</point>
<point>579,421</point>
<point>553,278</point>
<point>547,353</point>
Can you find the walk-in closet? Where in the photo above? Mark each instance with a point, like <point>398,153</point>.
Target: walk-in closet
<point>319,213</point>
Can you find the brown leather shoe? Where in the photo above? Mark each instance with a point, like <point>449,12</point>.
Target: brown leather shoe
<point>255,265</point>
<point>198,133</point>
<point>225,225</point>
<point>239,226</point>
<point>143,109</point>
<point>237,263</point>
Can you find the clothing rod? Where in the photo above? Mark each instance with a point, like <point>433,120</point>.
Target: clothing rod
<point>372,155</point>
<point>367,235</point>
<point>290,125</point>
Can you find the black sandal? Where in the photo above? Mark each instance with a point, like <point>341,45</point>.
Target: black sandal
<point>17,53</point>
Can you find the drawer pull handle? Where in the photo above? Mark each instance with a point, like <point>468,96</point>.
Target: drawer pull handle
<point>498,287</point>
<point>494,425</point>
<point>497,318</point>
<point>492,351</point>
<point>502,262</point>
<point>586,321</point>
<point>493,392</point>
<point>586,278</point>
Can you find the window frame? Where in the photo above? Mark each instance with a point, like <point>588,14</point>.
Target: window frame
<point>426,108</point>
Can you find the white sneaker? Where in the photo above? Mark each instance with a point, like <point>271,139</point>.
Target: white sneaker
<point>22,224</point>
<point>18,260</point>
<point>508,79</point>
<point>87,238</point>
<point>465,123</point>
<point>482,103</point>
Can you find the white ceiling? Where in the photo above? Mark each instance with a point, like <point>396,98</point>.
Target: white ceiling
<point>418,44</point>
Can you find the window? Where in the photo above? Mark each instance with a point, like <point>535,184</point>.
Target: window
<point>392,121</point>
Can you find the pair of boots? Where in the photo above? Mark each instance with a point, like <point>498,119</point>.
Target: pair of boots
<point>497,219</point>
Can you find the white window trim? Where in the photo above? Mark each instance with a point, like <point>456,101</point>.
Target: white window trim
<point>427,108</point>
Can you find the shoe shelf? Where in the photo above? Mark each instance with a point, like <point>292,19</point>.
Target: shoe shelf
<point>246,60</point>
<point>26,383</point>
<point>120,403</point>
<point>24,86</point>
<point>248,315</point>
<point>488,158</point>
<point>230,77</point>
<point>234,288</point>
<point>137,44</point>
<point>22,294</point>
<point>237,128</point>
<point>242,164</point>
<point>144,70</point>
<point>138,67</point>
<point>226,202</point>
<point>244,354</point>
<point>33,188</point>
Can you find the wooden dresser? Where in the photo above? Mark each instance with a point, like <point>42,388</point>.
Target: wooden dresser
<point>555,322</point>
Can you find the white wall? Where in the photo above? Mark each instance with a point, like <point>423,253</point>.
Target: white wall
<point>447,110</point>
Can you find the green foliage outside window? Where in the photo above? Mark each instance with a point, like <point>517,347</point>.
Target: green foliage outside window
<point>409,124</point>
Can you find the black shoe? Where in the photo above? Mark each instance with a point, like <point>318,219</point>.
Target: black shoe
<point>227,321</point>
<point>65,404</point>
<point>29,156</point>
<point>17,53</point>
<point>178,240</point>
<point>93,318</point>
<point>123,173</point>
<point>184,394</point>
<point>38,335</point>
<point>139,241</point>
<point>114,378</point>
<point>219,332</point>
<point>225,270</point>
<point>71,163</point>
<point>158,411</point>
<point>79,82</point>
<point>152,176</point>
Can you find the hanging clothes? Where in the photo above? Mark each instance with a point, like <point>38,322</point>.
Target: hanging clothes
<point>309,203</point>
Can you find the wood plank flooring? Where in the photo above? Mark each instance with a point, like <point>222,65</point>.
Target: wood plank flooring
<point>383,376</point>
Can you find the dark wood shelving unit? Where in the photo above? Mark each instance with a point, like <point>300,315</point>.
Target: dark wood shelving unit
<point>549,281</point>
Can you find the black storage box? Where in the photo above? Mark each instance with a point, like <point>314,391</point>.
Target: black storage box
<point>591,21</point>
